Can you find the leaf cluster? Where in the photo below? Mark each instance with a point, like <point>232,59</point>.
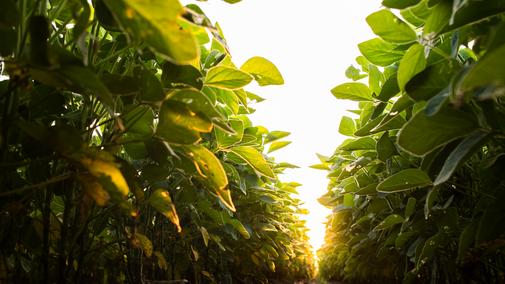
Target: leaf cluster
<point>127,154</point>
<point>417,188</point>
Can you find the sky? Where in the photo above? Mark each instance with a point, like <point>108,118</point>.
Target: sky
<point>312,43</point>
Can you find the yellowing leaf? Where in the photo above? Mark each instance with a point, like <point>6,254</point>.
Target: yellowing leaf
<point>102,166</point>
<point>162,262</point>
<point>155,22</point>
<point>147,246</point>
<point>205,236</point>
<point>93,188</point>
<point>179,125</point>
<point>212,170</point>
<point>227,78</point>
<point>161,201</point>
<point>264,71</point>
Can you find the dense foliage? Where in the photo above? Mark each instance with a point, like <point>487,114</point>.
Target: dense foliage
<point>127,155</point>
<point>417,190</point>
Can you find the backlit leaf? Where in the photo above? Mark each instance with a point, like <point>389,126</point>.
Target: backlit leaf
<point>227,78</point>
<point>390,28</point>
<point>161,201</point>
<point>404,180</point>
<point>263,71</point>
<point>254,159</point>
<point>352,91</point>
<point>380,52</point>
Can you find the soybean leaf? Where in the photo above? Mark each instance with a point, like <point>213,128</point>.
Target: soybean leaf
<point>429,249</point>
<point>390,28</point>
<point>347,126</point>
<point>467,238</point>
<point>161,201</point>
<point>447,220</point>
<point>225,139</point>
<point>278,145</point>
<point>173,75</point>
<point>150,87</point>
<point>389,89</point>
<point>412,63</point>
<point>404,180</point>
<point>155,22</point>
<point>275,135</point>
<point>252,157</point>
<point>376,79</point>
<point>380,52</point>
<point>352,91</point>
<point>486,71</point>
<point>462,153</point>
<point>238,225</point>
<point>263,71</point>
<point>422,134</point>
<point>178,125</point>
<point>402,239</point>
<point>390,221</point>
<point>385,148</point>
<point>227,78</point>
<point>432,80</point>
<point>438,18</point>
<point>400,4</point>
<point>212,170</point>
<point>411,204</point>
<point>366,143</point>
<point>473,12</point>
<point>354,73</point>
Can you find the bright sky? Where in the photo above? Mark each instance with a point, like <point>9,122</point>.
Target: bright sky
<point>312,43</point>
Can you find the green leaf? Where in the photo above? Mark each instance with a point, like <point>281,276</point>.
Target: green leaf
<point>432,80</point>
<point>467,238</point>
<point>275,135</point>
<point>349,200</point>
<point>385,148</point>
<point>438,18</point>
<point>347,126</point>
<point>429,249</point>
<point>227,78</point>
<point>161,201</point>
<point>379,52</point>
<point>404,180</point>
<point>140,121</point>
<point>197,102</point>
<point>486,71</point>
<point>263,71</point>
<point>151,89</point>
<point>376,79</point>
<point>402,104</point>
<point>267,199</point>
<point>367,190</point>
<point>211,169</point>
<point>378,205</point>
<point>402,239</point>
<point>430,200</point>
<point>464,151</point>
<point>400,4</point>
<point>178,125</point>
<point>121,85</point>
<point>389,89</point>
<point>422,134</point>
<point>205,236</point>
<point>366,143</point>
<point>229,98</point>
<point>320,167</point>
<point>254,159</point>
<point>174,75</point>
<point>473,12</point>
<point>153,173</point>
<point>75,78</point>
<point>352,91</point>
<point>238,225</point>
<point>447,220</point>
<point>411,204</point>
<point>412,63</point>
<point>354,73</point>
<point>390,28</point>
<point>390,221</point>
<point>225,139</point>
<point>206,206</point>
<point>155,23</point>
<point>277,146</point>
